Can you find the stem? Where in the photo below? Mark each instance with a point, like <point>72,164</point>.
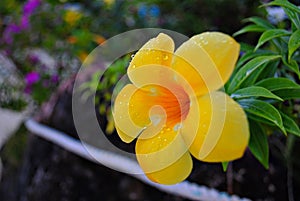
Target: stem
<point>229,178</point>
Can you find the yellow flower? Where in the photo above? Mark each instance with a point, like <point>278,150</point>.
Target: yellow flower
<point>72,16</point>
<point>174,110</point>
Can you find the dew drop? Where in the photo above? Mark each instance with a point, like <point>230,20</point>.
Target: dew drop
<point>166,57</point>
<point>224,41</point>
<point>133,66</point>
<point>248,72</point>
<point>177,127</point>
<point>132,56</point>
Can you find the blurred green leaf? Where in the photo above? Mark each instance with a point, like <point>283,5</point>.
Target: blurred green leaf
<point>248,69</point>
<point>258,144</point>
<point>254,91</point>
<point>288,94</point>
<point>260,22</point>
<point>294,43</point>
<point>271,34</point>
<point>263,110</point>
<point>290,125</point>
<point>250,28</point>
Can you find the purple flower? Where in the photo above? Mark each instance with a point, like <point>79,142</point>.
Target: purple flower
<point>13,28</point>
<point>32,78</point>
<point>33,59</point>
<point>30,6</point>
<point>54,78</point>
<point>9,32</point>
<point>24,22</point>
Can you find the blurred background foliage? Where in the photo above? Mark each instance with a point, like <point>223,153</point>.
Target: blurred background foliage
<point>47,40</point>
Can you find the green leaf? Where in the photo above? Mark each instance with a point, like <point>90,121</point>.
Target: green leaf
<point>250,28</point>
<point>252,78</point>
<point>280,83</point>
<point>248,69</point>
<point>290,125</point>
<point>225,166</point>
<point>282,87</point>
<point>250,55</point>
<point>260,22</point>
<point>294,17</point>
<point>292,65</point>
<point>258,144</point>
<point>285,4</point>
<point>294,43</point>
<point>288,94</point>
<point>271,34</point>
<point>254,91</point>
<point>263,110</point>
<point>269,71</point>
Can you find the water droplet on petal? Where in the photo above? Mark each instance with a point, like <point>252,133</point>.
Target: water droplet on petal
<point>166,57</point>
<point>132,56</point>
<point>224,41</point>
<point>177,127</point>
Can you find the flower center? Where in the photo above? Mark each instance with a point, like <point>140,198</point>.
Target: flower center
<point>176,104</point>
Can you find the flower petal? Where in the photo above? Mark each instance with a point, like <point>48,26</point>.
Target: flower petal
<point>222,49</point>
<point>138,108</point>
<point>206,60</point>
<point>222,133</point>
<point>126,128</point>
<point>157,51</point>
<point>163,156</point>
<point>193,63</point>
<point>175,173</point>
